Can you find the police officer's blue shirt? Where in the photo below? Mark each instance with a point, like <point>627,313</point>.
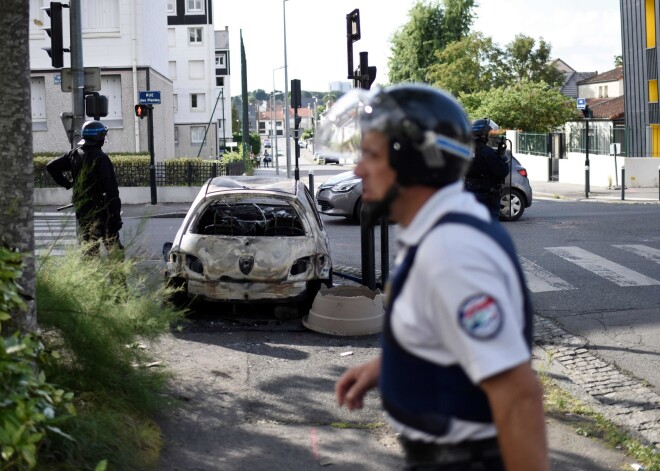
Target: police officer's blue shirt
<point>457,269</point>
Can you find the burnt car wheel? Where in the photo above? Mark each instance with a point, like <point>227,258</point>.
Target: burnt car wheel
<point>178,296</point>
<point>512,205</point>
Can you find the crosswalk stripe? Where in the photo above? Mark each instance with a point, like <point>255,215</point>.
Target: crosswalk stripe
<point>54,233</point>
<point>540,280</point>
<point>602,267</point>
<point>642,250</point>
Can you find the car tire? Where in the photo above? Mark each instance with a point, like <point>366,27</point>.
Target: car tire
<point>517,205</point>
<point>357,210</point>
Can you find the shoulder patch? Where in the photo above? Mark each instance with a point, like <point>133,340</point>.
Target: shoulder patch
<point>480,317</point>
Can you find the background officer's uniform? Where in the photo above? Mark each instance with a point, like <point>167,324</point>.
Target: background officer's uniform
<point>457,319</point>
<point>486,176</point>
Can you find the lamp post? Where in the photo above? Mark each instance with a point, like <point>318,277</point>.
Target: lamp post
<point>274,118</point>
<point>286,100</point>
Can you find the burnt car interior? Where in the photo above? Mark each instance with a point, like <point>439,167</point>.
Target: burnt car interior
<point>252,218</point>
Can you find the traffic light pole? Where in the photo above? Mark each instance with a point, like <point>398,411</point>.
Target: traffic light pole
<point>77,71</point>
<point>152,155</point>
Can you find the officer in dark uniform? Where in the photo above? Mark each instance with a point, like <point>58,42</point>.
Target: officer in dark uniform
<point>455,371</point>
<point>488,169</point>
<point>95,195</point>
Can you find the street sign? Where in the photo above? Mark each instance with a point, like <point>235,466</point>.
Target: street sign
<point>581,103</point>
<point>149,98</point>
<point>91,77</point>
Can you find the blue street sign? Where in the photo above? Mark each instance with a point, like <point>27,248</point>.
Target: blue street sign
<point>149,98</point>
<point>581,103</point>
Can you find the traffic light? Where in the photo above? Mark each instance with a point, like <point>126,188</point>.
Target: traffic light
<point>141,111</point>
<point>96,106</point>
<point>56,49</point>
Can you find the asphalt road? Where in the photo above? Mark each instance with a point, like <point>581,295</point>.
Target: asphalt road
<point>593,267</point>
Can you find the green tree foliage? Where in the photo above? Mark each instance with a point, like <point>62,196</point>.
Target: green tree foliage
<point>430,28</point>
<point>528,106</point>
<point>235,120</point>
<point>258,95</point>
<point>526,61</point>
<point>618,61</point>
<point>468,65</point>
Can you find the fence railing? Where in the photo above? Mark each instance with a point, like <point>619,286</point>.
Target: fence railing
<point>533,143</point>
<point>167,173</point>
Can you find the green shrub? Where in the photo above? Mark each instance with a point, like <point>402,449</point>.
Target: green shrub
<point>96,315</point>
<point>30,407</point>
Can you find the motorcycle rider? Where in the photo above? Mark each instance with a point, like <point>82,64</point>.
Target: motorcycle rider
<point>488,169</point>
<point>95,195</point>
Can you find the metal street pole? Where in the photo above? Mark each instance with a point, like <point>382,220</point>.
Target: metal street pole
<point>286,100</point>
<point>77,70</point>
<point>277,157</point>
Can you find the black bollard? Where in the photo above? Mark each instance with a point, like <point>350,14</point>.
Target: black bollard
<point>311,183</point>
<point>623,183</point>
<point>586,181</point>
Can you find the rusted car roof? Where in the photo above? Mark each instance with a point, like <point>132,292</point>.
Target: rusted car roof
<point>233,183</point>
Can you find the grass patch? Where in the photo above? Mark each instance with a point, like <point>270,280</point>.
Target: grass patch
<point>589,423</point>
<point>95,313</point>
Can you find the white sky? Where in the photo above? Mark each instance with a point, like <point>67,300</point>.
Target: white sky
<point>586,34</point>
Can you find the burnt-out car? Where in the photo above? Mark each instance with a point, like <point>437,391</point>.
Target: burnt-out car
<point>250,239</point>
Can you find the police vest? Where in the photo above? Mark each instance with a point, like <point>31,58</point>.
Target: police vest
<point>425,395</point>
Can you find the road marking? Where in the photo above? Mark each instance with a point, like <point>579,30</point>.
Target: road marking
<point>540,280</point>
<point>602,267</point>
<point>642,250</point>
<point>54,234</point>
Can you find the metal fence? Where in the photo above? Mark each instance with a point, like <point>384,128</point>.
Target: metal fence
<point>533,143</point>
<point>167,173</point>
<point>599,141</point>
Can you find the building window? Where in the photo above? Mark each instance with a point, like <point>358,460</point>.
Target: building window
<point>219,81</point>
<point>653,91</point>
<point>171,37</point>
<point>176,135</point>
<point>171,7</point>
<point>195,6</point>
<point>195,36</point>
<point>111,87</point>
<point>197,102</point>
<point>195,70</point>
<point>605,92</point>
<point>172,69</point>
<point>38,92</point>
<point>262,126</point>
<point>100,16</point>
<point>600,91</point>
<point>175,102</point>
<point>650,24</point>
<point>196,134</point>
<point>220,60</point>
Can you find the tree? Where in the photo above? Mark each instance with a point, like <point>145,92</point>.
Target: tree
<point>235,120</point>
<point>429,29</point>
<point>468,65</point>
<point>16,178</point>
<point>259,95</point>
<point>526,63</point>
<point>528,106</point>
<point>618,61</point>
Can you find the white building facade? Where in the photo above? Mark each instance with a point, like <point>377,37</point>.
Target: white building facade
<point>198,65</point>
<point>127,40</point>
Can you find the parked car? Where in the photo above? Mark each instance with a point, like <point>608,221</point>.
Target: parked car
<point>516,192</point>
<point>247,239</point>
<point>341,195</point>
<point>325,158</point>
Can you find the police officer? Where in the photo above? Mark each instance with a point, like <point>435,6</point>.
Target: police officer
<point>454,373</point>
<point>95,195</point>
<point>488,169</point>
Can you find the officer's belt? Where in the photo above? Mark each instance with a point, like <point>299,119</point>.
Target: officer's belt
<point>421,453</point>
<point>482,182</point>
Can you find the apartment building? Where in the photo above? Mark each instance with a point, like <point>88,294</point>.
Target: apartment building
<point>159,45</point>
<point>640,37</point>
<point>198,65</point>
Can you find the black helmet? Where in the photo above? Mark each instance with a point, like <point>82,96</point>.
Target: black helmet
<point>430,142</point>
<point>93,133</point>
<point>481,128</point>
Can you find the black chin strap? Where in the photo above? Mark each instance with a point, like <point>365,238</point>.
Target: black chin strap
<point>376,209</point>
